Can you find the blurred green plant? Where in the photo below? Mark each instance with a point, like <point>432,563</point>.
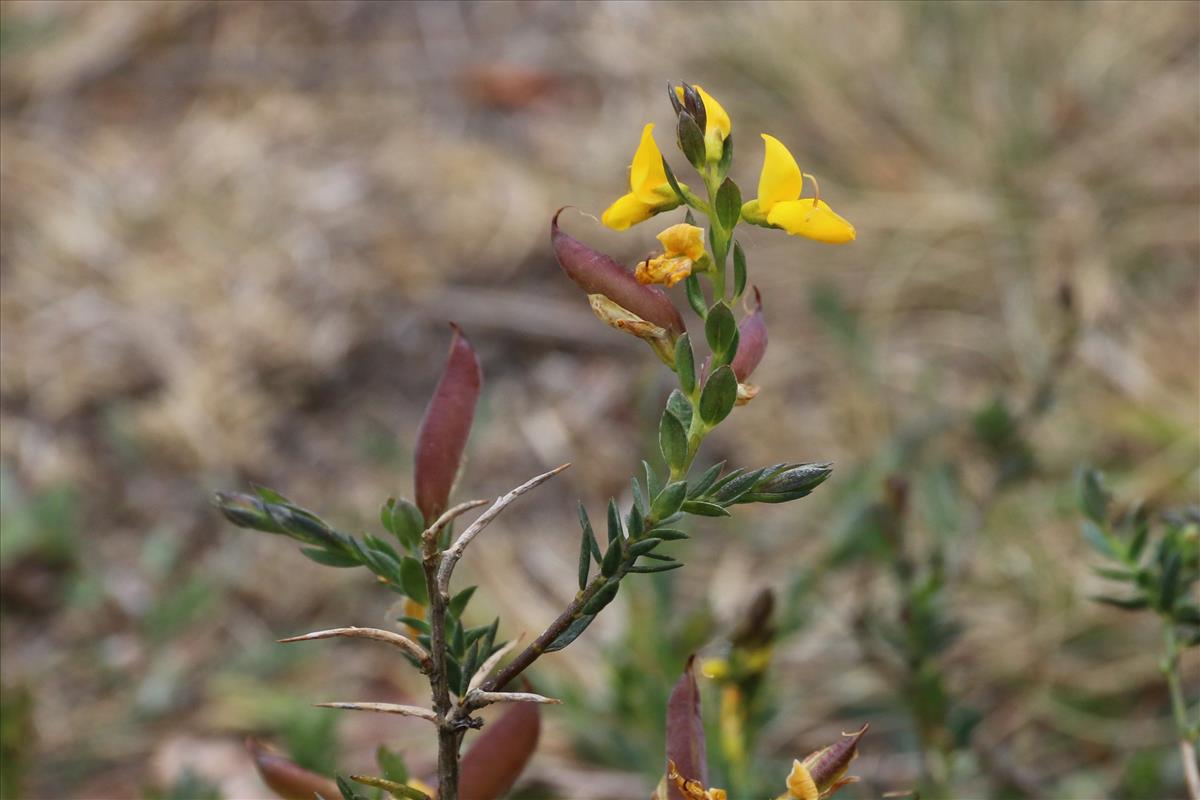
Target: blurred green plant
<point>1156,559</point>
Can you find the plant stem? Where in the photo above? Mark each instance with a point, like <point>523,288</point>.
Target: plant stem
<point>538,646</point>
<point>1187,736</point>
<point>448,738</point>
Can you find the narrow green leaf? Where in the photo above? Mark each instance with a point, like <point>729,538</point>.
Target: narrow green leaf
<point>601,598</point>
<point>571,633</point>
<point>394,788</point>
<point>329,558</point>
<point>695,296</point>
<point>1093,497</point>
<point>739,269</point>
<point>645,568</point>
<point>673,182</point>
<point>1168,589</point>
<point>705,480</point>
<point>586,524</point>
<point>669,500</point>
<point>458,603</point>
<point>728,204</point>
<point>672,440</point>
<point>685,364</point>
<point>639,499</point>
<point>585,558</point>
<point>726,157</point>
<point>612,560</point>
<point>670,534</point>
<point>391,765</point>
<point>1098,539</point>
<point>718,397</point>
<point>643,547</point>
<point>614,523</point>
<point>703,509</point>
<point>636,523</point>
<point>413,580</point>
<point>415,623</point>
<point>653,484</point>
<point>1125,603</point>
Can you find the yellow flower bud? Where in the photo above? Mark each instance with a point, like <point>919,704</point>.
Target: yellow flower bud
<point>717,126</point>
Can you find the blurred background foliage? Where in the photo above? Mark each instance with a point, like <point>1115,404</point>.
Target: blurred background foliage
<point>232,234</point>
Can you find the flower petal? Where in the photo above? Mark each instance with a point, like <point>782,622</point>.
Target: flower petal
<point>683,240</point>
<point>812,219</point>
<point>780,178</point>
<point>646,174</point>
<point>627,210</point>
<point>717,118</point>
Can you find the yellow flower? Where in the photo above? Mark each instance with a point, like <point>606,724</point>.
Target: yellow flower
<point>649,192</point>
<point>717,124</point>
<point>683,246</point>
<point>779,204</point>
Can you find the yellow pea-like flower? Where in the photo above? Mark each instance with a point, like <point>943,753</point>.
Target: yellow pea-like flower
<point>683,246</point>
<point>779,203</point>
<point>649,191</point>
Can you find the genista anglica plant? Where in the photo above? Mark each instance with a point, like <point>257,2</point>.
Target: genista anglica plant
<point>467,667</point>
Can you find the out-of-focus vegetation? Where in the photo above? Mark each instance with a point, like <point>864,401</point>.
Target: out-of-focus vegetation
<point>232,233</point>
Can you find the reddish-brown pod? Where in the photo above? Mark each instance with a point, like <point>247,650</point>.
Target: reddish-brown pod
<point>286,778</point>
<point>597,273</point>
<point>752,341</point>
<point>685,731</point>
<point>442,437</point>
<point>499,755</point>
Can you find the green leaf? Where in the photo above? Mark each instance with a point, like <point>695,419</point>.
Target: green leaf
<point>635,524</point>
<point>639,499</point>
<point>571,633</point>
<point>586,524</point>
<point>720,329</point>
<point>732,491</point>
<point>601,598</point>
<point>653,484</point>
<point>614,523</point>
<point>270,495</point>
<point>703,509</point>
<point>645,568</point>
<point>641,548</point>
<point>739,269</point>
<point>691,140</point>
<point>458,603</point>
<point>669,500</point>
<point>1168,589</point>
<point>672,441</point>
<point>407,524</point>
<point>726,157</point>
<point>1125,603</point>
<point>330,558</point>
<point>391,765</point>
<point>685,364</point>
<point>680,407</point>
<point>413,579</point>
<point>718,397</point>
<point>728,204</point>
<point>705,480</point>
<point>670,534</point>
<point>1093,497</point>
<point>585,555</point>
<point>612,559</point>
<point>695,296</point>
<point>415,623</point>
<point>673,182</point>
<point>1098,539</point>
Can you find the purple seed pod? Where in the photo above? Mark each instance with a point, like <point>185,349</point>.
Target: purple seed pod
<point>287,778</point>
<point>827,766</point>
<point>596,273</point>
<point>752,341</point>
<point>685,731</point>
<point>442,436</point>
